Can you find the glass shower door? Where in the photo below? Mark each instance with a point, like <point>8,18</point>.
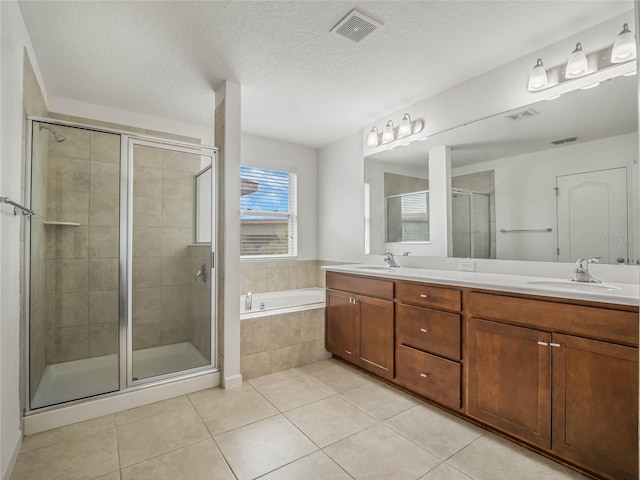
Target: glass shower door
<point>73,263</point>
<point>171,233</point>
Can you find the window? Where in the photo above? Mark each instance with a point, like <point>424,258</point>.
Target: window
<point>268,213</point>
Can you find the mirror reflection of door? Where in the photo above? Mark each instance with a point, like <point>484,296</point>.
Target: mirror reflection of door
<point>592,216</point>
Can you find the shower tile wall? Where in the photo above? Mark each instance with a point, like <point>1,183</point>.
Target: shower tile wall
<point>277,275</point>
<point>163,229</point>
<point>82,260</point>
<point>200,334</point>
<point>34,105</point>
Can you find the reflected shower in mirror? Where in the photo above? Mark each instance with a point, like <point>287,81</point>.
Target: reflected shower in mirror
<point>552,181</point>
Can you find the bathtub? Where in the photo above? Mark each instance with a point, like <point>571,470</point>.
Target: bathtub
<point>286,301</point>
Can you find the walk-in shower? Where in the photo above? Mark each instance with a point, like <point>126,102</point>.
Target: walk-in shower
<point>471,224</point>
<point>116,294</point>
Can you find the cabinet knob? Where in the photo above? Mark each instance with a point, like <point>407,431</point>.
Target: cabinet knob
<point>348,352</point>
<point>424,330</point>
<point>424,295</point>
<point>424,375</point>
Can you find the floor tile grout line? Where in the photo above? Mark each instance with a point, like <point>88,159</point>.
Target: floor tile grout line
<point>224,457</point>
<point>363,410</point>
<point>390,427</point>
<point>165,453</point>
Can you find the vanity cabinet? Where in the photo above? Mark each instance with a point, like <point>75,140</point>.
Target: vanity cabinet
<point>359,322</point>
<point>559,375</point>
<point>428,343</point>
<point>531,372</point>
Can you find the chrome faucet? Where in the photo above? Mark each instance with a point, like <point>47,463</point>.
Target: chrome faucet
<point>582,270</point>
<point>390,261</point>
<point>248,301</point>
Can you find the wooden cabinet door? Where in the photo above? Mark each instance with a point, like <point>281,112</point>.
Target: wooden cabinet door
<point>595,405</point>
<point>375,330</point>
<point>509,379</point>
<point>340,331</point>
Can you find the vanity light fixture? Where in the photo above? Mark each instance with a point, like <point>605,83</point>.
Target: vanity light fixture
<point>389,133</point>
<point>372,138</point>
<point>624,47</point>
<point>577,66</point>
<point>538,78</point>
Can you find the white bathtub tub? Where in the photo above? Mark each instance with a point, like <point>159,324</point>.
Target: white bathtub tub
<point>286,301</point>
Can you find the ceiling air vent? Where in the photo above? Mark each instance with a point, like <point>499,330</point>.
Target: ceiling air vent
<point>529,112</point>
<point>356,26</point>
<point>564,140</point>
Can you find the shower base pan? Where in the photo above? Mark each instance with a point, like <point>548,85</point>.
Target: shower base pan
<point>63,382</point>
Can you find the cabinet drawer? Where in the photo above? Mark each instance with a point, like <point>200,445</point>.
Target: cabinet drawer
<point>428,296</point>
<point>428,375</point>
<point>429,330</point>
<point>372,287</point>
<point>593,322</point>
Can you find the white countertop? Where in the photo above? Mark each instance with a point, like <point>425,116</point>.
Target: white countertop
<point>617,293</point>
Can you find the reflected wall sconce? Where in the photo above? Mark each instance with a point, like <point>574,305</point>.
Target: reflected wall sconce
<point>390,133</point>
<point>577,65</point>
<point>372,138</point>
<point>624,47</point>
<point>580,64</point>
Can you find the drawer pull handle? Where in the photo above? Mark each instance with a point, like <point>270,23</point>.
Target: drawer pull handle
<point>544,344</point>
<point>424,375</point>
<point>424,330</point>
<point>554,344</point>
<point>424,295</point>
<point>348,352</point>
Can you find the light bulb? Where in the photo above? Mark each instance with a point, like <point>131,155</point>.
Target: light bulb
<point>624,47</point>
<point>372,138</point>
<point>388,134</point>
<point>405,126</point>
<point>577,65</point>
<point>538,78</point>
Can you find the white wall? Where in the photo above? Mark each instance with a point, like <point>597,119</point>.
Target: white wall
<point>134,119</point>
<point>14,40</point>
<point>524,189</point>
<point>502,89</point>
<point>340,201</point>
<point>266,153</point>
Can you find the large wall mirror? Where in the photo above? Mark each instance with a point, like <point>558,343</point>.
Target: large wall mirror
<point>553,181</point>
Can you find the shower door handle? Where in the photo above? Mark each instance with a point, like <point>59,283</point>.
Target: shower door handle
<point>202,273</point>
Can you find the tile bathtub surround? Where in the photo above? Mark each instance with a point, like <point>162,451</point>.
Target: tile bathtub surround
<point>260,276</point>
<point>288,425</point>
<point>280,342</point>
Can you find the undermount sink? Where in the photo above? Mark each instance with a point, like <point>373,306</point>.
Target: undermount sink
<point>584,286</point>
<point>374,267</point>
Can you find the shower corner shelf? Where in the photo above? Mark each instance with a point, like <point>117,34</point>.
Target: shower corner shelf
<point>55,222</point>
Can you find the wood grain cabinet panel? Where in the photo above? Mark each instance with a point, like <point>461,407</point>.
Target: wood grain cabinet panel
<point>341,328</point>
<point>433,377</point>
<point>371,287</point>
<point>595,405</point>
<point>429,330</point>
<point>375,332</point>
<point>428,296</point>
<point>509,382</point>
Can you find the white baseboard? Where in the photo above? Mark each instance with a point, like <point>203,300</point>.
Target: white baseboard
<point>232,382</point>
<point>6,474</point>
<point>58,417</point>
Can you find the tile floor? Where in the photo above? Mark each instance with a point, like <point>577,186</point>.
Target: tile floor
<point>322,421</point>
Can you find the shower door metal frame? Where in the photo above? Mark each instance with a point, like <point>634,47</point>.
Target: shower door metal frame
<point>472,223</point>
<point>128,142</point>
<point>125,276</point>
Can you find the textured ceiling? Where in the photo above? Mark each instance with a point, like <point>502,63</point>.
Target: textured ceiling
<point>300,83</point>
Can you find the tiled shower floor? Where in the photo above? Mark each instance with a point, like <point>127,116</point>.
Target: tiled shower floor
<point>66,381</point>
<point>324,421</point>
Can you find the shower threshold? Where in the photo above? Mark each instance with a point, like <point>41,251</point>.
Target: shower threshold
<point>66,381</point>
